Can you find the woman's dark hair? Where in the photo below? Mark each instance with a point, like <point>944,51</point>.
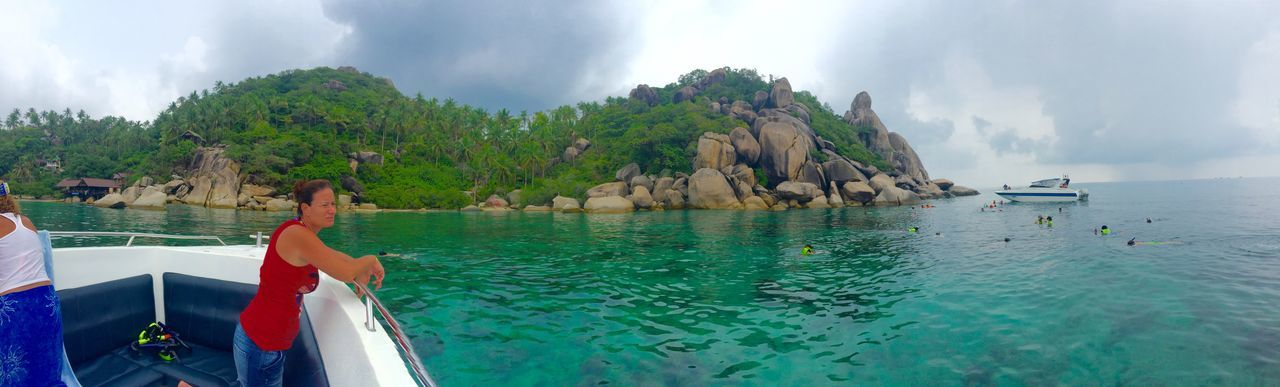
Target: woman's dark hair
<point>304,190</point>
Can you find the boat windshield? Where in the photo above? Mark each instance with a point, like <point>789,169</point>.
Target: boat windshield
<point>1046,183</point>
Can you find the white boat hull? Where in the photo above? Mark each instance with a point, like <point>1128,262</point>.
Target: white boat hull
<point>1042,195</point>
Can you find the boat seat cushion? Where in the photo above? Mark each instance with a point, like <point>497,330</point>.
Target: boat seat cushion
<point>205,311</point>
<point>99,318</point>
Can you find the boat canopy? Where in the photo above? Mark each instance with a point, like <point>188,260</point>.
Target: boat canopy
<point>1051,183</point>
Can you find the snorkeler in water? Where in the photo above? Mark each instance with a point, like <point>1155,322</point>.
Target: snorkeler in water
<point>384,253</point>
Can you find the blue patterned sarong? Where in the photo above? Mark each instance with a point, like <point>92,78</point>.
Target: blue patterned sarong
<point>31,338</point>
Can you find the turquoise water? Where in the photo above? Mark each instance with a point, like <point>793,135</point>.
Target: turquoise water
<point>724,297</point>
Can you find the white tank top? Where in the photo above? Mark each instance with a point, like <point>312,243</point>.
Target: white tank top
<point>21,256</point>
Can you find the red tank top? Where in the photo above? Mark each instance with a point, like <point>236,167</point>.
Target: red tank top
<point>271,319</point>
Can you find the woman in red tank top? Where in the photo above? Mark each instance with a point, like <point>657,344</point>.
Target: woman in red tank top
<point>291,269</point>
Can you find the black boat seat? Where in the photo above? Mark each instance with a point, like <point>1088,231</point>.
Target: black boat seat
<point>100,320</point>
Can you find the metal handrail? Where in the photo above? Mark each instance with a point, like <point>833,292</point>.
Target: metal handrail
<point>131,235</point>
<point>372,302</point>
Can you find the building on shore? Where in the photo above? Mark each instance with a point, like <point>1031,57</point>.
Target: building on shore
<point>88,187</point>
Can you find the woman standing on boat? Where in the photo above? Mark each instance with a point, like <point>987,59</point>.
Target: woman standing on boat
<point>30,322</point>
<point>289,270</point>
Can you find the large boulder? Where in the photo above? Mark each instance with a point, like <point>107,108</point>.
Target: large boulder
<point>781,95</point>
<point>582,144</point>
<point>673,199</point>
<point>256,190</point>
<point>617,188</point>
<point>891,147</point>
<point>841,170</point>
<point>741,172</point>
<point>681,184</point>
<point>880,182</point>
<point>561,202</point>
<point>958,190</point>
<point>114,200</point>
<point>198,194</point>
<point>896,196</point>
<point>144,181</point>
<point>641,198</point>
<point>861,115</point>
<point>759,100</point>
<point>742,110</point>
<point>152,199</point>
<point>800,111</point>
<point>627,172</point>
<point>811,172</point>
<point>818,202</point>
<point>746,145</point>
<point>660,188</point>
<point>715,151</point>
<point>641,181</point>
<point>214,179</point>
<point>905,158</point>
<point>906,182</point>
<point>366,157</point>
<point>609,204</point>
<point>645,94</point>
<point>783,151</point>
<point>281,205</point>
<point>130,194</point>
<point>858,192</point>
<point>684,94</point>
<point>833,196</point>
<point>494,201</point>
<point>754,203</point>
<point>570,153</point>
<point>708,188</point>
<point>172,186</point>
<point>798,191</point>
<point>944,184</point>
<point>930,191</point>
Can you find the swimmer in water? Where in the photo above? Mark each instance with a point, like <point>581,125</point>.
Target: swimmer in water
<point>384,253</point>
<point>913,229</point>
<point>1105,230</point>
<point>1148,220</point>
<point>807,250</point>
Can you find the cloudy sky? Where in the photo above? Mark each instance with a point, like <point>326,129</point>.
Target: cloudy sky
<point>987,92</point>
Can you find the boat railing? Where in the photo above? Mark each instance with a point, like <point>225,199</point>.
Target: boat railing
<point>132,235</point>
<point>371,303</point>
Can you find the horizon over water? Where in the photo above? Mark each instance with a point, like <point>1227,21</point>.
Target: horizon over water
<point>725,298</point>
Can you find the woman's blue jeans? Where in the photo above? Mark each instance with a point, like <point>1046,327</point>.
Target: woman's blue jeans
<point>255,367</point>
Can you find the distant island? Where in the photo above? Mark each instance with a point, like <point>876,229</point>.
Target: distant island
<point>719,139</point>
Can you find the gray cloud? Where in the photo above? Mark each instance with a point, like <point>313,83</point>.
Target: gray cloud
<point>1127,82</point>
<point>495,54</point>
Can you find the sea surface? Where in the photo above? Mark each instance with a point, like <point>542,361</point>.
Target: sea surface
<point>726,298</point>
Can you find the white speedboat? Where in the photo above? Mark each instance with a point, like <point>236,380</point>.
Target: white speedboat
<point>1045,191</point>
<point>109,294</point>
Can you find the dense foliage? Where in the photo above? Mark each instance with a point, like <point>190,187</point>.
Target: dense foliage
<point>303,123</point>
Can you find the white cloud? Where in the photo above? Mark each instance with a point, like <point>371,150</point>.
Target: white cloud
<point>1257,106</point>
<point>982,113</point>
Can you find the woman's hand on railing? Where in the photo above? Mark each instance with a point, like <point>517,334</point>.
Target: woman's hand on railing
<point>375,274</point>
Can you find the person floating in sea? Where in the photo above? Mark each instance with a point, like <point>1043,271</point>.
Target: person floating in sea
<point>1039,219</point>
<point>1007,240</point>
<point>384,253</point>
<point>1105,230</point>
<point>1049,221</point>
<point>1148,220</point>
<point>806,250</point>
<point>913,229</point>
